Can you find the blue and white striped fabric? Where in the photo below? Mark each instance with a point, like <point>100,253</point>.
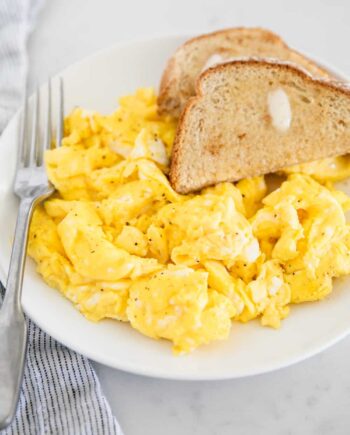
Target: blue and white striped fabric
<point>61,393</point>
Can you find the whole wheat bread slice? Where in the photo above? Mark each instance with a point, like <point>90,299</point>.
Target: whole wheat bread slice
<point>231,130</point>
<point>178,80</point>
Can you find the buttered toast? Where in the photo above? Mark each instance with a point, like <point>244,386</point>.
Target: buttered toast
<point>252,117</point>
<point>202,52</point>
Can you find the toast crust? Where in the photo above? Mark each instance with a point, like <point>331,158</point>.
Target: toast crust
<point>177,152</point>
<point>169,98</point>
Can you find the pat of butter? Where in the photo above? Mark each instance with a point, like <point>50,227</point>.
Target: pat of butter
<point>216,59</point>
<point>279,109</point>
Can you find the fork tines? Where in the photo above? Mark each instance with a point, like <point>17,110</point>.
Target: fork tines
<point>32,142</point>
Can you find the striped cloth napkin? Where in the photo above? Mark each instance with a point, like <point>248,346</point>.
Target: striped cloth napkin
<point>61,393</point>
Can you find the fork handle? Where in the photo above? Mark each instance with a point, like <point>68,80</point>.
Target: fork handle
<point>13,327</point>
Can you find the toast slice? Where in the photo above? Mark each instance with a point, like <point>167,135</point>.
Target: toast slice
<point>197,54</point>
<point>252,117</point>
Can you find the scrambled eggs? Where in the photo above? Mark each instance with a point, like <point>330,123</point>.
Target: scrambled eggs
<point>119,242</point>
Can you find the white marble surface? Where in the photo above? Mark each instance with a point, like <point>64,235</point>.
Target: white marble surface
<point>310,398</point>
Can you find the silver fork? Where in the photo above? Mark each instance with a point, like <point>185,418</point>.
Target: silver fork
<point>31,186</point>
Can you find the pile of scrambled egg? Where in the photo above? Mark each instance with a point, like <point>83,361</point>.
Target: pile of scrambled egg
<point>120,243</point>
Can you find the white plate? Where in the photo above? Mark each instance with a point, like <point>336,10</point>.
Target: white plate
<point>95,83</point>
